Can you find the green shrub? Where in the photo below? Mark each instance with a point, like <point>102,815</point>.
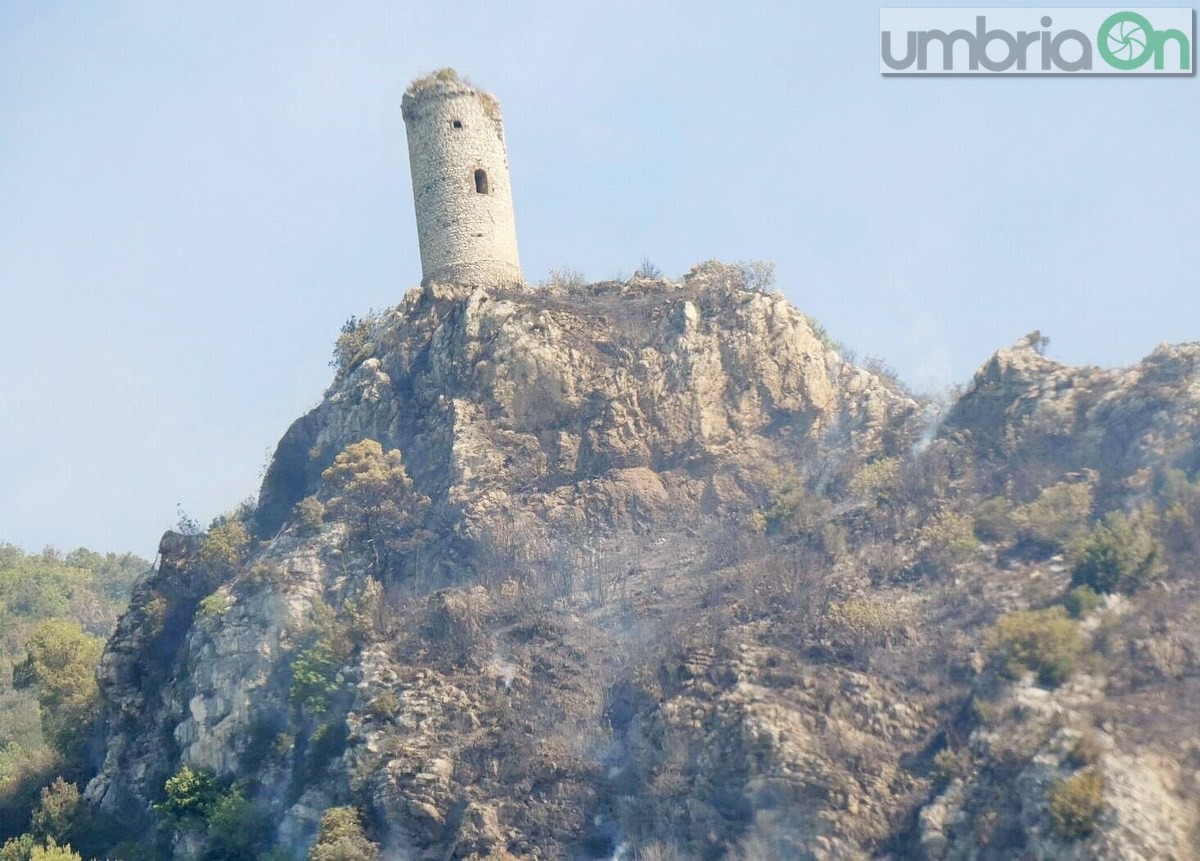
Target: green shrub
<point>1056,517</point>
<point>1076,803</point>
<point>191,794</point>
<point>263,575</point>
<point>993,519</point>
<point>53,852</point>
<point>951,763</point>
<point>877,481</point>
<point>1120,555</point>
<point>214,606</point>
<point>1081,600</point>
<point>17,848</point>
<point>236,828</point>
<point>57,810</point>
<point>353,345</point>
<point>794,509</point>
<point>385,706</point>
<point>341,838</point>
<point>948,539</point>
<point>225,545</point>
<point>863,624</point>
<point>1045,642</point>
<point>371,491</point>
<point>316,677</point>
<point>327,743</point>
<point>309,515</point>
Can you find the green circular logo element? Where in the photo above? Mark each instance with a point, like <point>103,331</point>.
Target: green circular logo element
<point>1126,40</point>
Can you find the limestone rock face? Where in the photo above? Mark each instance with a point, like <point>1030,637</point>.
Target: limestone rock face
<point>614,402</point>
<point>530,417</point>
<point>670,586</point>
<point>1056,419</point>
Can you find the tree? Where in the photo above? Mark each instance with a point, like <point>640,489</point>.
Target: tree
<point>225,545</point>
<point>1036,341</point>
<point>371,490</point>
<point>190,794</point>
<point>54,818</point>
<point>61,663</point>
<point>315,677</point>
<point>1120,555</point>
<point>341,838</point>
<point>53,852</point>
<point>236,828</point>
<point>354,337</point>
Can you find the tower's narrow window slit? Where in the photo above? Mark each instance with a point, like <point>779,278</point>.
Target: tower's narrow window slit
<point>457,124</point>
<point>481,182</point>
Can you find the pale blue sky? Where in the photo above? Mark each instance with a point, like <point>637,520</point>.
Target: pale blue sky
<point>194,196</point>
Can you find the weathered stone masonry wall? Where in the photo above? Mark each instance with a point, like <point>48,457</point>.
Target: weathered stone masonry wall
<point>466,236</point>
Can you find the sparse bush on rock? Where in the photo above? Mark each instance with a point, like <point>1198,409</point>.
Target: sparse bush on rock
<point>1120,555</point>
<point>1075,804</point>
<point>1046,642</point>
<point>1056,517</point>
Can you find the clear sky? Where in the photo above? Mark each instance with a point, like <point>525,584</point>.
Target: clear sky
<point>195,195</point>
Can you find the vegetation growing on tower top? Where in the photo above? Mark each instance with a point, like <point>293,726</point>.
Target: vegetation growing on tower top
<point>438,76</point>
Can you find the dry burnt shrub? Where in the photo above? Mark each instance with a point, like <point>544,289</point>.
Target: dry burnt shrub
<point>858,626</point>
<point>1075,804</point>
<point>457,620</point>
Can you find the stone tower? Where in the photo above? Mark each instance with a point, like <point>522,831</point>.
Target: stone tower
<point>460,182</point>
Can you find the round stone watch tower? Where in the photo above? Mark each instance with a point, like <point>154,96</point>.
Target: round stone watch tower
<point>461,189</point>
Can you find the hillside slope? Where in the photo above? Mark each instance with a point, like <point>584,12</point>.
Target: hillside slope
<point>632,569</point>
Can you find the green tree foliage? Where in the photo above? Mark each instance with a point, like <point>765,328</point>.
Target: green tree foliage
<point>26,848</point>
<point>53,852</point>
<point>1046,642</point>
<point>342,838</point>
<point>309,515</point>
<point>1075,804</point>
<point>353,343</point>
<point>795,510</point>
<point>225,545</point>
<point>1058,515</point>
<point>17,848</point>
<point>236,828</point>
<point>88,588</point>
<point>60,664</point>
<point>877,481</point>
<point>191,794</point>
<point>948,539</point>
<point>370,489</point>
<point>214,606</point>
<point>1178,498</point>
<point>315,677</point>
<point>57,812</point>
<point>1081,600</point>
<point>1120,555</point>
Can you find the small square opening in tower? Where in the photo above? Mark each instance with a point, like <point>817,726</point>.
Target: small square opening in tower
<point>481,182</point>
<point>457,124</point>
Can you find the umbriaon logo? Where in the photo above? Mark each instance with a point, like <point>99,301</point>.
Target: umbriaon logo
<point>1036,41</point>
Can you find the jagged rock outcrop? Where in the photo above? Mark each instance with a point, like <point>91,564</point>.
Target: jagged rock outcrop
<point>1049,419</point>
<point>671,574</point>
<point>538,422</point>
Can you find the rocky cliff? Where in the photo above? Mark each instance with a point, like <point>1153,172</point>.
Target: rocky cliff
<point>646,570</point>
